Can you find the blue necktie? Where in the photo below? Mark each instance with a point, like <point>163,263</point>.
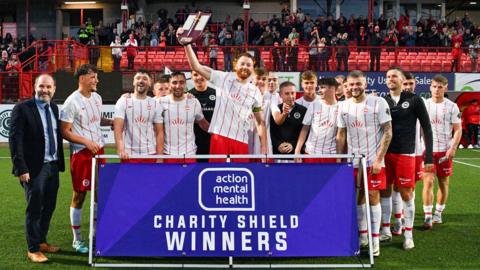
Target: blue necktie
<point>51,138</point>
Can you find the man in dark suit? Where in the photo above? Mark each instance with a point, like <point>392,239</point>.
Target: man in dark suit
<point>37,155</point>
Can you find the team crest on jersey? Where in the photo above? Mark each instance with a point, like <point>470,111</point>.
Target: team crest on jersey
<point>212,97</point>
<point>356,124</point>
<point>405,105</point>
<point>297,115</point>
<point>387,111</point>
<point>86,182</point>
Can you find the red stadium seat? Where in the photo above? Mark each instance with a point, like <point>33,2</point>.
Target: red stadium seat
<point>436,66</point>
<point>426,65</point>
<point>405,64</point>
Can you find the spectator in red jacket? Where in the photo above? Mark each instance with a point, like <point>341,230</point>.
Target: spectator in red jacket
<point>472,117</point>
<point>457,40</point>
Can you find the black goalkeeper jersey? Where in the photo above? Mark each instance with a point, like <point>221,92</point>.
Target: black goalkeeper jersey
<point>207,101</point>
<point>405,113</point>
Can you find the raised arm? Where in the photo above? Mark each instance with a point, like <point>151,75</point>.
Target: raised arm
<point>195,65</point>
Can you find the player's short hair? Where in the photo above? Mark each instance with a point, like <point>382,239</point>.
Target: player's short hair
<point>44,74</point>
<point>328,81</point>
<point>340,76</point>
<point>177,73</point>
<point>246,54</point>
<point>356,74</point>
<point>397,68</point>
<point>309,75</point>
<point>260,72</point>
<point>163,79</point>
<point>142,71</point>
<point>440,79</point>
<point>409,75</point>
<point>84,70</point>
<point>286,84</point>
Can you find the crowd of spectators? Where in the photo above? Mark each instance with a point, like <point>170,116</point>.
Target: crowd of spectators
<point>10,47</point>
<point>284,32</point>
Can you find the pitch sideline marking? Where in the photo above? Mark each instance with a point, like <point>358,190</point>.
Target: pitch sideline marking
<point>468,164</point>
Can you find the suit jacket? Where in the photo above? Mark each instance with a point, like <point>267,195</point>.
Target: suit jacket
<point>27,140</point>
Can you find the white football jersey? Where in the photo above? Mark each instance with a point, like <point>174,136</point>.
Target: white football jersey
<point>363,122</point>
<point>442,117</point>
<point>305,103</point>
<point>179,118</point>
<point>84,114</point>
<point>234,104</point>
<point>322,119</point>
<point>139,117</point>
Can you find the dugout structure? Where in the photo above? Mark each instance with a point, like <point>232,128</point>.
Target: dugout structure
<point>255,210</point>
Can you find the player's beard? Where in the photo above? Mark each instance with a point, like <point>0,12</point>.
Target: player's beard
<point>243,73</point>
<point>177,93</point>
<point>357,93</point>
<point>141,88</point>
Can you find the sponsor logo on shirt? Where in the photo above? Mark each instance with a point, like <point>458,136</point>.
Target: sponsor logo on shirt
<point>140,120</point>
<point>297,115</point>
<point>327,123</point>
<point>436,121</point>
<point>86,182</point>
<point>177,122</point>
<point>212,97</point>
<point>187,108</point>
<point>356,124</point>
<point>405,105</point>
<point>236,96</point>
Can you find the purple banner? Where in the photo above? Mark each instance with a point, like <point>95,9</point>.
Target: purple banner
<point>226,210</point>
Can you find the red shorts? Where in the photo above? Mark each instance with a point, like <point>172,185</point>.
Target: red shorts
<point>375,181</point>
<point>400,170</point>
<point>81,169</point>
<point>180,160</point>
<point>220,145</point>
<point>441,169</point>
<point>139,160</point>
<point>419,168</point>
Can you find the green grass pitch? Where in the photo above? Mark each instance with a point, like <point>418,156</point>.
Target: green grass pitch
<point>452,245</point>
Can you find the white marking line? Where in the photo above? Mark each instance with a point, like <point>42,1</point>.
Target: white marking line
<point>467,158</point>
<point>468,164</point>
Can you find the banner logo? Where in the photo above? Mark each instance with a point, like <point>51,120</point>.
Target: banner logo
<point>226,189</point>
<point>5,118</point>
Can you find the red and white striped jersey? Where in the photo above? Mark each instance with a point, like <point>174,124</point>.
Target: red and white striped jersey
<point>322,119</point>
<point>178,119</point>
<point>139,117</point>
<point>235,102</point>
<point>305,103</point>
<point>442,117</point>
<point>84,114</point>
<point>254,145</point>
<point>363,122</point>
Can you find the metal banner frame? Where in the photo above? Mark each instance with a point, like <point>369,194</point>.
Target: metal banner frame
<point>230,263</point>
